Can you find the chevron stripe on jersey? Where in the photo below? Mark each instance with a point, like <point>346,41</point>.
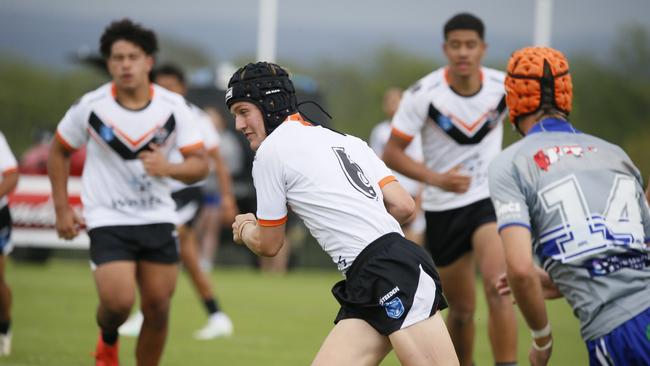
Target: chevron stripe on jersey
<point>122,144</point>
<point>468,133</point>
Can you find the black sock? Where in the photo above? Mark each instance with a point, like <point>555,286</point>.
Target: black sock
<point>4,327</point>
<point>109,338</point>
<point>211,305</point>
<point>514,363</point>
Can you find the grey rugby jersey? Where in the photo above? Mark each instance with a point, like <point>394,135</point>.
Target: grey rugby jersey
<point>582,198</point>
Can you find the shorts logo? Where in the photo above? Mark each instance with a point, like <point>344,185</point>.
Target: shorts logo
<point>229,94</point>
<point>394,308</point>
<point>647,333</point>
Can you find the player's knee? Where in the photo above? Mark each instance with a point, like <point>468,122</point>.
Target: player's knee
<point>461,315</point>
<point>118,306</point>
<point>156,315</point>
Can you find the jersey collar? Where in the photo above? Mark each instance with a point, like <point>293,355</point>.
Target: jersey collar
<point>298,118</point>
<point>552,125</point>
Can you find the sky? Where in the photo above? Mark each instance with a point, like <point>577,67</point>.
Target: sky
<point>48,32</point>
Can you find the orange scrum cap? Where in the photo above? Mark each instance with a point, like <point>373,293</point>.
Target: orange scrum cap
<point>537,76</point>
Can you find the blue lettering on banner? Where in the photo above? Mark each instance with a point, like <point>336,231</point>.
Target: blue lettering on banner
<point>394,308</point>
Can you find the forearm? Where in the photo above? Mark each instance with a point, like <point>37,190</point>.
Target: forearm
<point>396,159</point>
<point>250,235</point>
<point>527,291</point>
<point>8,183</point>
<point>58,168</point>
<point>191,170</point>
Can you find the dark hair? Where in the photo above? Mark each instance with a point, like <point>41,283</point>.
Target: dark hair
<point>464,21</point>
<point>169,70</point>
<point>126,30</point>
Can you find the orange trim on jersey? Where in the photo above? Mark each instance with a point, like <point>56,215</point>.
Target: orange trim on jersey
<point>63,142</point>
<point>449,81</point>
<point>298,118</point>
<point>470,127</point>
<point>9,171</point>
<point>386,180</point>
<point>189,148</point>
<point>402,135</point>
<point>134,143</point>
<point>271,223</point>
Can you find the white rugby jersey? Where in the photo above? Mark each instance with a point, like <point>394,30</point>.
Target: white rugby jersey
<point>377,141</point>
<point>455,130</point>
<point>330,180</point>
<point>211,140</point>
<point>8,164</point>
<point>116,189</point>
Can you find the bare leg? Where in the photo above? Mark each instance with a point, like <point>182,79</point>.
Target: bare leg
<point>209,231</point>
<point>458,284</point>
<point>157,282</point>
<point>190,259</point>
<point>502,321</point>
<point>352,339</point>
<point>5,293</point>
<point>424,343</point>
<point>116,284</point>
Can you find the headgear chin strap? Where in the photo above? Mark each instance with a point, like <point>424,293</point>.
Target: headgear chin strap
<point>268,86</point>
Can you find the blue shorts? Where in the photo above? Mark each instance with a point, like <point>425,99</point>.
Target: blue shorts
<point>627,344</point>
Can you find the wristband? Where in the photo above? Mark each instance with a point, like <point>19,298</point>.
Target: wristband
<point>241,229</point>
<point>544,347</point>
<point>544,332</point>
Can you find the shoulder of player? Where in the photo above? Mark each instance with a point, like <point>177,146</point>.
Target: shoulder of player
<point>174,100</point>
<point>430,81</point>
<point>509,155</point>
<point>93,96</point>
<point>493,75</point>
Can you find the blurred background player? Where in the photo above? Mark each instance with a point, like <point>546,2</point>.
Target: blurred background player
<point>9,169</point>
<point>352,205</point>
<point>189,202</point>
<point>213,215</point>
<point>130,127</point>
<point>576,203</point>
<point>414,229</point>
<point>459,109</point>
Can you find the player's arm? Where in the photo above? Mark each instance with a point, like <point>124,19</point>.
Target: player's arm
<point>9,181</point>
<point>527,289</point>
<point>193,168</point>
<point>398,201</point>
<point>261,238</point>
<point>222,171</point>
<point>396,158</point>
<point>68,223</point>
<point>549,289</point>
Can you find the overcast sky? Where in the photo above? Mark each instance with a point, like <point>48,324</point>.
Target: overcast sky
<point>46,32</point>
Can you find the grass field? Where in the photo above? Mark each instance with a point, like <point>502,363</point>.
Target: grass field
<point>279,320</point>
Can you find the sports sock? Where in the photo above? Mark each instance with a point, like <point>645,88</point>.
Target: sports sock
<point>211,305</point>
<point>109,338</point>
<point>4,327</point>
<point>506,363</point>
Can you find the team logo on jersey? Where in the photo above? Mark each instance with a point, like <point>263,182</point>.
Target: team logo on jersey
<point>160,136</point>
<point>106,133</point>
<point>354,173</point>
<point>544,158</point>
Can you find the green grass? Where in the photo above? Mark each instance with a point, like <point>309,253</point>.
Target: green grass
<point>279,320</point>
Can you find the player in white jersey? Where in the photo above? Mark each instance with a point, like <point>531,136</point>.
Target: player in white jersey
<point>352,205</point>
<point>189,202</point>
<point>130,127</point>
<point>9,180</point>
<point>458,110</point>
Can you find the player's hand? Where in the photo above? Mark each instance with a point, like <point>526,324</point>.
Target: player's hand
<point>502,286</point>
<point>453,180</point>
<point>154,161</point>
<point>540,358</point>
<point>229,209</point>
<point>238,226</point>
<point>68,223</point>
